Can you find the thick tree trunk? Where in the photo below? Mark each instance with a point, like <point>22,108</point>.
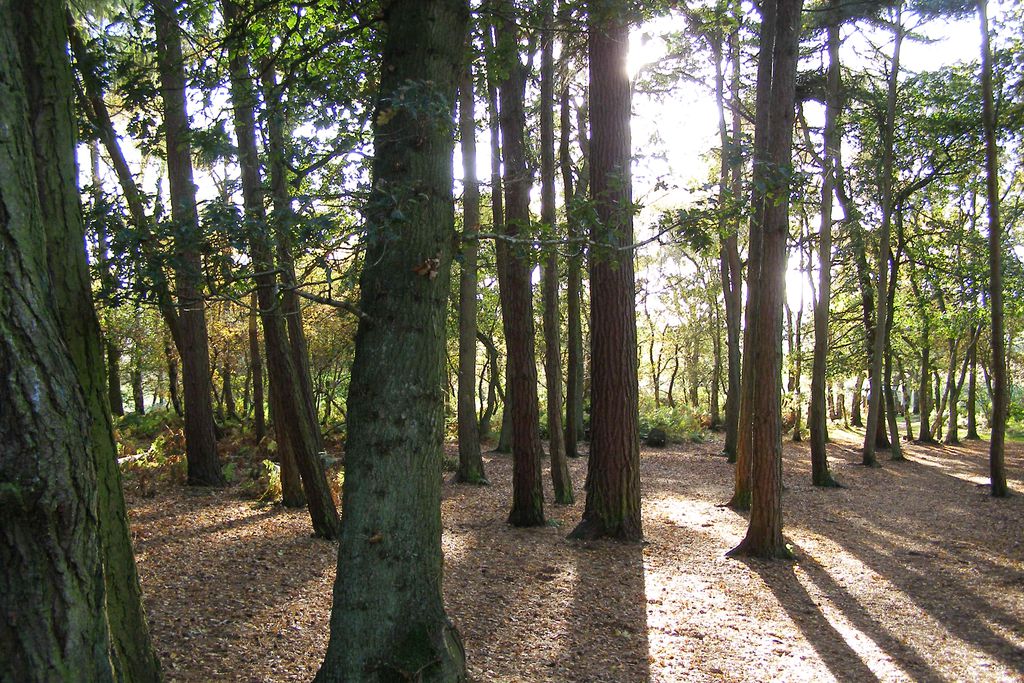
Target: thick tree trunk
<point>1000,396</point>
<point>764,534</point>
<point>613,472</point>
<point>292,421</point>
<point>72,598</point>
<point>817,424</point>
<point>471,464</point>
<point>516,290</point>
<point>856,403</point>
<point>560,478</point>
<point>200,439</point>
<point>388,621</point>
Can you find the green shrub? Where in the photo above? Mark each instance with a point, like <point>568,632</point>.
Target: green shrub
<point>679,423</point>
<point>264,483</point>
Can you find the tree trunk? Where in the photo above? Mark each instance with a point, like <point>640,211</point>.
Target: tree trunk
<point>613,472</point>
<point>228,391</point>
<point>388,621</point>
<point>516,289</point>
<point>780,21</point>
<point>69,576</point>
<point>471,464</point>
<point>1000,396</point>
<point>729,256</point>
<point>114,396</point>
<point>857,402</point>
<point>200,439</point>
<point>821,474</point>
<point>560,478</point>
<point>972,395</point>
<point>875,404</point>
<point>138,394</point>
<point>172,377</point>
<point>574,283</point>
<point>283,223</point>
<point>292,422</point>
<point>741,498</point>
<point>256,368</point>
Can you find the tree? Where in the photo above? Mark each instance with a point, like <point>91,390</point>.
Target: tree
<point>613,472</point>
<point>817,418</point>
<point>388,621</point>
<point>72,597</point>
<point>291,410</point>
<point>560,477</point>
<point>875,404</point>
<point>780,26</point>
<point>997,467</point>
<point>515,285</point>
<point>200,440</point>
<point>471,465</point>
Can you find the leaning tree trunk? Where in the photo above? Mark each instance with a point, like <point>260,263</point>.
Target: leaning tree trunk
<point>560,478</point>
<point>388,621</point>
<point>471,464</point>
<point>613,472</point>
<point>291,420</point>
<point>72,599</point>
<point>997,466</point>
<point>516,291</point>
<point>764,533</point>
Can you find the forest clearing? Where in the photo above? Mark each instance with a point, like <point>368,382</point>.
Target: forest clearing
<point>364,341</point>
<point>910,573</point>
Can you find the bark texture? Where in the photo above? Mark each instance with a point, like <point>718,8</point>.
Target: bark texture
<point>388,621</point>
<point>613,473</point>
<point>517,290</point>
<point>71,595</point>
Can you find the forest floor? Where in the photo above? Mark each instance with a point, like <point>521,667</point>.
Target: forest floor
<point>910,572</point>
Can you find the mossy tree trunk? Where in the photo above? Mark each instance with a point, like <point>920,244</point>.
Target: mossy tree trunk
<point>72,599</point>
<point>388,621</point>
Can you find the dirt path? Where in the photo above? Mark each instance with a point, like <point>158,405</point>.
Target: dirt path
<point>911,572</point>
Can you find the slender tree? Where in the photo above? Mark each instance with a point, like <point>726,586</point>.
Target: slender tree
<point>764,533</point>
<point>997,466</point>
<point>560,478</point>
<point>515,285</point>
<point>817,418</point>
<point>876,405</point>
<point>292,420</point>
<point>471,464</point>
<point>200,440</point>
<point>388,621</point>
<point>613,472</point>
